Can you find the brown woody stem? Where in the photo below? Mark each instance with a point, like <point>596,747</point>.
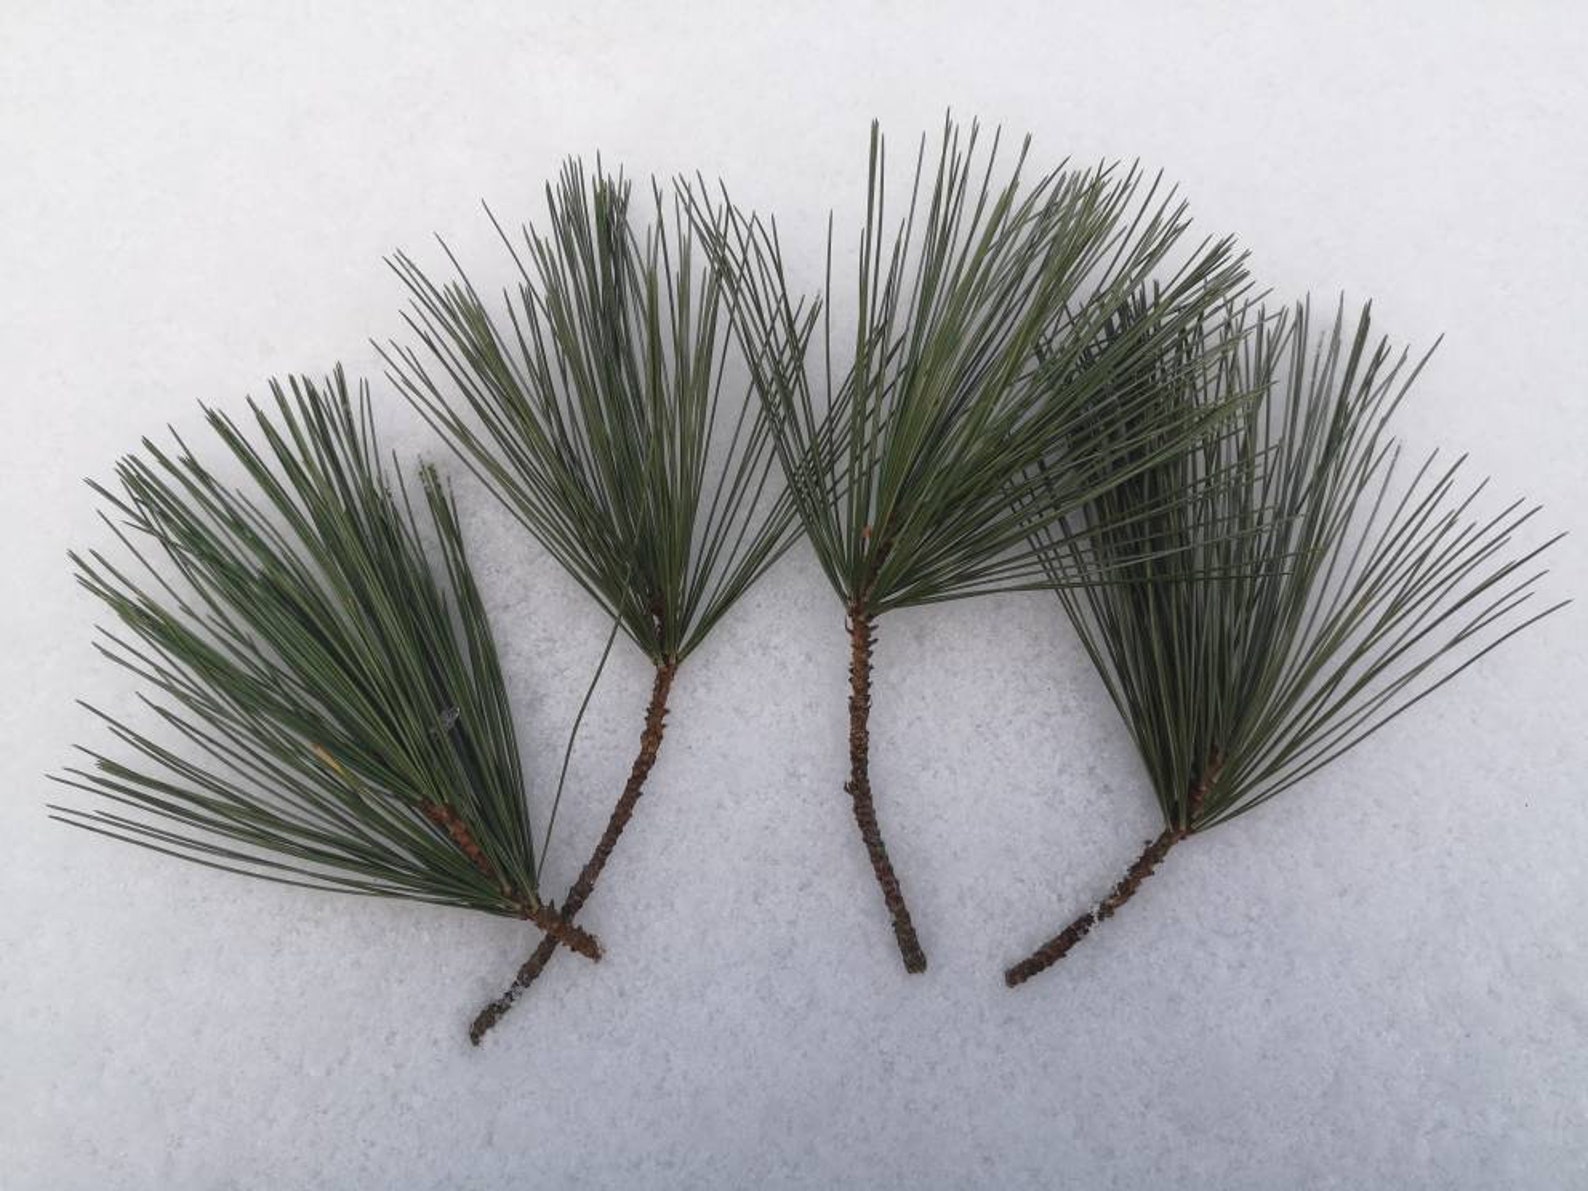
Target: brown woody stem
<point>1056,948</point>
<point>862,635</point>
<point>447,819</point>
<point>558,928</point>
<point>542,915</point>
<point>650,743</point>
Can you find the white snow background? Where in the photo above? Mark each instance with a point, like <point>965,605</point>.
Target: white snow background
<point>1378,980</point>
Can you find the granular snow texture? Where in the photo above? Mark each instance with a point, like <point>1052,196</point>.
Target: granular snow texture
<point>1378,980</point>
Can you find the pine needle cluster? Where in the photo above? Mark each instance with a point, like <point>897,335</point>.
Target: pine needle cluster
<point>595,405</point>
<point>331,676</point>
<point>1301,590</point>
<point>1048,384</point>
<point>927,470</point>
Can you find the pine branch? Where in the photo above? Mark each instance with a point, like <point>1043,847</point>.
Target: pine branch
<point>1348,594</point>
<point>928,470</point>
<point>334,683</point>
<point>593,406</point>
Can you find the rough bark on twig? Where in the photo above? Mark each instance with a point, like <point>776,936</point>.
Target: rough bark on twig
<point>650,744</point>
<point>862,636</point>
<point>542,915</point>
<point>529,909</point>
<point>560,930</point>
<point>1056,948</point>
<point>447,819</point>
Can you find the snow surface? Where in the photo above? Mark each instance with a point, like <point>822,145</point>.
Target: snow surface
<point>1378,980</point>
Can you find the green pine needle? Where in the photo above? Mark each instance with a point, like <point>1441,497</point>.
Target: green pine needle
<point>594,408</point>
<point>1301,591</point>
<point>930,469</point>
<point>333,683</point>
<point>925,471</point>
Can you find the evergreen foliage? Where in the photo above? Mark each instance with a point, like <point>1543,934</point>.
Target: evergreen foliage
<point>1243,662</point>
<point>330,674</point>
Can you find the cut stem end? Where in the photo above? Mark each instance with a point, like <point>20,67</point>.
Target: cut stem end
<point>1056,948</point>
